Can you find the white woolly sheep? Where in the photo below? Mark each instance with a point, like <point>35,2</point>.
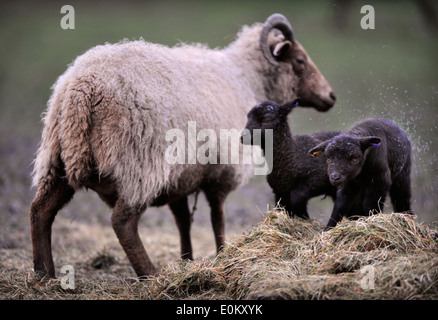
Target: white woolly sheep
<point>109,113</point>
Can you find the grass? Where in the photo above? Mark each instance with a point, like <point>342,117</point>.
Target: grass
<point>385,256</point>
<point>292,259</point>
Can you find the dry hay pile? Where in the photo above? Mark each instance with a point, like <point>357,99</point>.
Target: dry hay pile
<point>384,256</point>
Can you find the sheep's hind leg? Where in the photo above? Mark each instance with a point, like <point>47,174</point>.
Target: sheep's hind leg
<point>298,204</point>
<point>50,198</point>
<point>125,224</point>
<point>374,201</point>
<point>300,210</point>
<point>400,193</point>
<point>181,213</point>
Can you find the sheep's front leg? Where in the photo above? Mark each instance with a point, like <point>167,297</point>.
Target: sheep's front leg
<point>125,224</point>
<point>216,201</point>
<point>218,224</point>
<point>183,219</point>
<point>50,198</point>
<point>340,208</point>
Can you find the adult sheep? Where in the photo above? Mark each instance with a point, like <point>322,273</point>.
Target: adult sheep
<point>109,113</point>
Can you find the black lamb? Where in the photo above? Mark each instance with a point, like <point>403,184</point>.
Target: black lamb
<point>365,163</point>
<point>294,178</point>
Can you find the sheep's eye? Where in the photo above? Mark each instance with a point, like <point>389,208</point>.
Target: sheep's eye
<point>300,61</point>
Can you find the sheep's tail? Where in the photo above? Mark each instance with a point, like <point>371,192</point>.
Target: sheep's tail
<point>48,156</point>
<point>66,137</point>
<point>75,133</point>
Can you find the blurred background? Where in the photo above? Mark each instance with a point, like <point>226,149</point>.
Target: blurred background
<point>390,72</point>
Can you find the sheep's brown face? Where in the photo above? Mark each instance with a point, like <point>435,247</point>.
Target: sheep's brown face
<point>313,88</point>
<point>294,74</point>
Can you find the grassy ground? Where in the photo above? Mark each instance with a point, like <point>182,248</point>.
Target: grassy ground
<point>387,256</point>
<point>386,72</point>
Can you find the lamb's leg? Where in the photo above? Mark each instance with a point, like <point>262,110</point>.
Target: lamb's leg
<point>49,199</point>
<point>339,209</point>
<point>181,213</point>
<point>400,193</point>
<point>334,218</point>
<point>300,210</point>
<point>125,224</point>
<point>284,202</point>
<point>374,200</point>
<point>298,203</point>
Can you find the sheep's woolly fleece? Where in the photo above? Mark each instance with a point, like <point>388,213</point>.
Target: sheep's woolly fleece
<point>115,103</point>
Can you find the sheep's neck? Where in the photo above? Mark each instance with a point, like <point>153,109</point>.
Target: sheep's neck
<point>283,147</point>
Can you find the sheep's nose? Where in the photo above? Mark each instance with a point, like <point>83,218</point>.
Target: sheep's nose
<point>335,176</point>
<point>332,96</point>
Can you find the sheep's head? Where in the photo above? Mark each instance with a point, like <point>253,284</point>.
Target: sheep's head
<point>345,156</point>
<point>292,73</point>
<point>266,115</point>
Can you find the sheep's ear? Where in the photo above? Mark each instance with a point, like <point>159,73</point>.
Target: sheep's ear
<point>281,49</point>
<point>319,149</point>
<point>288,106</point>
<point>367,142</point>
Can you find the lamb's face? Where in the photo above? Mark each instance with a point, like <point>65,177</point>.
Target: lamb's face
<point>345,155</point>
<point>263,116</point>
<point>345,159</point>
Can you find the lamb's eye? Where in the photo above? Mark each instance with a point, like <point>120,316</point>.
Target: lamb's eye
<point>354,160</point>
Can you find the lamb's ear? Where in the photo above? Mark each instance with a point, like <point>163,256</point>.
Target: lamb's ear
<point>367,142</point>
<point>319,149</point>
<point>288,106</point>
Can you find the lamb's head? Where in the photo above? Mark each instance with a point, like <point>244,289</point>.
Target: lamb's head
<point>291,72</point>
<point>265,115</point>
<point>346,156</point>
